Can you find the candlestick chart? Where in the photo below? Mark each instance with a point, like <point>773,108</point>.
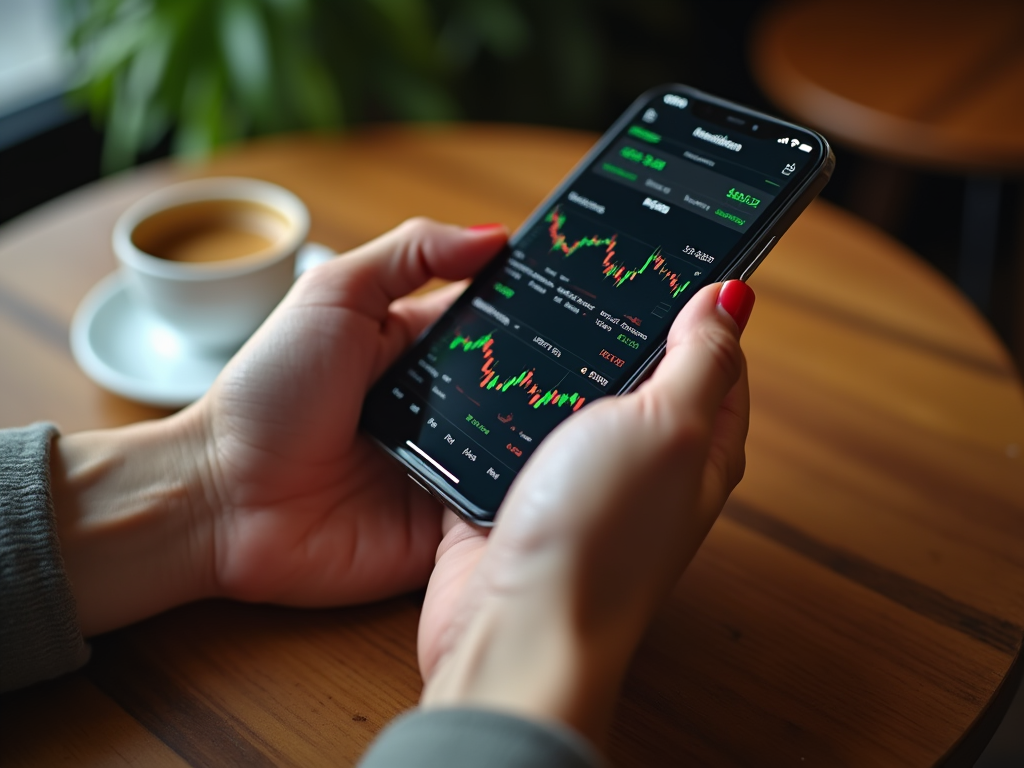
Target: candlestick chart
<point>612,268</point>
<point>493,381</point>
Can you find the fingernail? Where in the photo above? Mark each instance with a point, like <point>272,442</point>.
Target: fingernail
<point>737,298</point>
<point>482,227</point>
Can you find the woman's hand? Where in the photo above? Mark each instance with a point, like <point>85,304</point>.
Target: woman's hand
<point>263,490</point>
<point>541,617</point>
<point>311,512</point>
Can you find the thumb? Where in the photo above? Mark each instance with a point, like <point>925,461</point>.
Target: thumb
<point>703,360</point>
<point>606,469</point>
<point>370,277</point>
<point>702,385</point>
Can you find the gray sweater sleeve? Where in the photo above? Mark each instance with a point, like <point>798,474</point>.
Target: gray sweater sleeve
<point>470,738</point>
<point>39,635</point>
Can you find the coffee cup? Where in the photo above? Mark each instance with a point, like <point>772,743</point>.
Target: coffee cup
<point>211,257</point>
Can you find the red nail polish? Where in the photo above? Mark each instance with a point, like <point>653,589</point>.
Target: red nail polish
<point>481,227</point>
<point>737,298</point>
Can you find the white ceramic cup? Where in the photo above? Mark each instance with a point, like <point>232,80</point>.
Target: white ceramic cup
<point>213,305</point>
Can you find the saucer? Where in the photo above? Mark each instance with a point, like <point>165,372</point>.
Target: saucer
<point>129,351</point>
<point>126,349</point>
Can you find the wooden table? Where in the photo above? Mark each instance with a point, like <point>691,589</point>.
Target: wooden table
<point>860,602</point>
<point>934,85</point>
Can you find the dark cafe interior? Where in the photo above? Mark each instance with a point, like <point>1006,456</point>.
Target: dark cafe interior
<point>231,530</point>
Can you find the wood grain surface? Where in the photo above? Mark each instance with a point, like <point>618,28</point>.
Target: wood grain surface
<point>939,84</point>
<point>860,602</point>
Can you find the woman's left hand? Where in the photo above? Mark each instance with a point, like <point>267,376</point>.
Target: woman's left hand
<point>264,490</point>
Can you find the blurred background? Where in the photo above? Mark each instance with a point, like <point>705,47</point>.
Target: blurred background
<point>92,87</point>
<point>89,87</point>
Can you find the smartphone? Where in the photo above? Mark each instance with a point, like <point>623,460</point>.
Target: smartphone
<point>685,189</point>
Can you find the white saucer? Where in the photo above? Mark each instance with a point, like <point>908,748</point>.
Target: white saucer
<point>126,349</point>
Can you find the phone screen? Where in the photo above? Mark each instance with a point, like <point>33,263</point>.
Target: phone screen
<point>581,301</point>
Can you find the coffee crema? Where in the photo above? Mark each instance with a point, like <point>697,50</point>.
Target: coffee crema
<point>211,230</point>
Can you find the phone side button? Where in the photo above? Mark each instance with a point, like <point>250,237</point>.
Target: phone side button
<point>758,259</point>
<point>422,485</point>
<point>646,373</point>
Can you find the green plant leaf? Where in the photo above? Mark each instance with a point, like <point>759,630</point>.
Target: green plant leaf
<point>123,138</point>
<point>247,54</point>
<point>315,95</point>
<point>202,118</point>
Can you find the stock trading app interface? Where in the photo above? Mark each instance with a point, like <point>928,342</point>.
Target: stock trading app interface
<point>582,299</point>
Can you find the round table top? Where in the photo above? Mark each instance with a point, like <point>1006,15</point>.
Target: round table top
<point>937,84</point>
<point>860,602</point>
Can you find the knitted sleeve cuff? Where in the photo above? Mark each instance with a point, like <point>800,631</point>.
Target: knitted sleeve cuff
<point>39,635</point>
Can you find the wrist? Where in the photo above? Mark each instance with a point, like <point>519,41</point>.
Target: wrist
<point>134,516</point>
<point>529,656</point>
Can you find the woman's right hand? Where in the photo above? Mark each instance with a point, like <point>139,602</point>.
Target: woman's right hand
<point>541,617</point>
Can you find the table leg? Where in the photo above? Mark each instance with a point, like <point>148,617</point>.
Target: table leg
<point>979,238</point>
